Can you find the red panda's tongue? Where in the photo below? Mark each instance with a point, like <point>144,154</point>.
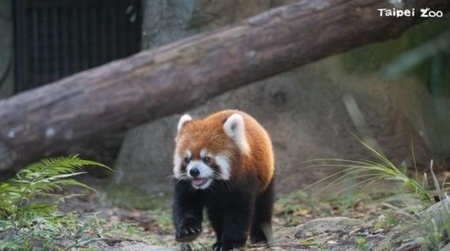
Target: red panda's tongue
<point>199,181</point>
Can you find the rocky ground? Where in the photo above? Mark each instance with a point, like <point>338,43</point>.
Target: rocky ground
<point>355,221</point>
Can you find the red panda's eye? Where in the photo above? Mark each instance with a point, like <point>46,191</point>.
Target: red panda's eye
<point>187,160</point>
<point>207,160</point>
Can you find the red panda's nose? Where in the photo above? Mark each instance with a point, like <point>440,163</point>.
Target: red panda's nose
<point>194,172</point>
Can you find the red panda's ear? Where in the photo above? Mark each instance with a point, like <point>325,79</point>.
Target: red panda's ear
<point>234,127</point>
<point>185,118</point>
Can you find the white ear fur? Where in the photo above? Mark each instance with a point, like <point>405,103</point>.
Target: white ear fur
<point>185,118</point>
<point>234,127</point>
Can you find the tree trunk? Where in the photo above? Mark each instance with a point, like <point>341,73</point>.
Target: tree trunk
<point>170,79</point>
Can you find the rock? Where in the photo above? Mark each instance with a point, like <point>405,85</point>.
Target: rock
<point>148,166</point>
<point>144,247</point>
<point>284,236</point>
<point>412,231</point>
<point>165,21</point>
<point>445,248</point>
<point>128,246</point>
<point>334,233</point>
<point>338,225</point>
<point>329,233</point>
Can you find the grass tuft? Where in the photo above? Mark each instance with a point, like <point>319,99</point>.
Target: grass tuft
<point>369,172</point>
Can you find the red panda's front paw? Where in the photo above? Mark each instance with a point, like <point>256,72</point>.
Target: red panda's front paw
<point>189,231</point>
<point>218,246</point>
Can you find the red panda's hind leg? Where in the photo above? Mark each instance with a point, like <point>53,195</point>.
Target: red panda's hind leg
<point>261,229</point>
<point>230,214</point>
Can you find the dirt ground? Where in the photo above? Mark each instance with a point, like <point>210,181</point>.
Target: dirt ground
<point>155,225</point>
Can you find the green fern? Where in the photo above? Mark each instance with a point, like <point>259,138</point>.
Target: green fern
<point>40,179</point>
<point>26,220</point>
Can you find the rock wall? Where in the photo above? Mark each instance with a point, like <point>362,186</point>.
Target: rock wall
<point>171,20</point>
<point>309,112</point>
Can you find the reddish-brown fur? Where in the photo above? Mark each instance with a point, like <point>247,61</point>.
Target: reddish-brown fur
<point>208,133</point>
<point>237,192</point>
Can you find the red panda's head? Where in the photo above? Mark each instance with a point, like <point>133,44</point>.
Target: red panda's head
<point>206,149</point>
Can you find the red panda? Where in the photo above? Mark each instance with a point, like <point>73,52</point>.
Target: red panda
<point>224,163</point>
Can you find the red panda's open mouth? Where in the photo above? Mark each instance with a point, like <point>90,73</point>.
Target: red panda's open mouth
<point>199,181</point>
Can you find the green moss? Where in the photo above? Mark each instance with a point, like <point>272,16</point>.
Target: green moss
<point>385,222</point>
<point>132,197</point>
<point>361,243</point>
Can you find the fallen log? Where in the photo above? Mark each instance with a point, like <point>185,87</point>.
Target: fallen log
<point>170,79</point>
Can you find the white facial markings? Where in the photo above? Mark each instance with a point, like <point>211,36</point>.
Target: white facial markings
<point>177,166</point>
<point>177,162</point>
<point>204,170</point>
<point>203,153</point>
<point>188,154</point>
<point>224,165</point>
<point>185,118</point>
<point>234,127</point>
